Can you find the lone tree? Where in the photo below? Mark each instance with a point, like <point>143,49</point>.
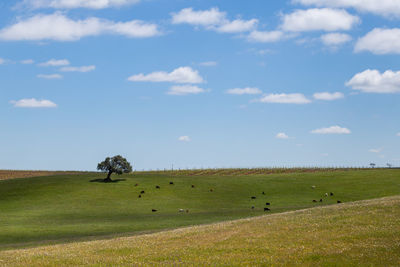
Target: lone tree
<point>116,164</point>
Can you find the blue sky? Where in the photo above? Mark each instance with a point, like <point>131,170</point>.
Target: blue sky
<point>199,83</point>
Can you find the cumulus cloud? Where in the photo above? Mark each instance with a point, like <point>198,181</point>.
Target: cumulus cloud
<point>58,27</point>
<point>335,39</point>
<point>380,7</point>
<point>179,75</point>
<point>50,76</point>
<point>244,91</point>
<point>184,138</point>
<point>33,103</point>
<point>282,136</point>
<point>55,63</point>
<point>284,99</point>
<point>265,36</point>
<point>372,81</point>
<point>213,19</point>
<point>68,4</point>
<point>380,41</point>
<point>79,69</point>
<point>328,96</point>
<point>185,90</point>
<point>27,61</point>
<point>318,19</point>
<point>332,130</point>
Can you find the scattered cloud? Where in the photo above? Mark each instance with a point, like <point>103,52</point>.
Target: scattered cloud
<point>185,90</point>
<point>78,69</point>
<point>58,27</point>
<point>2,61</point>
<point>372,81</point>
<point>27,61</point>
<point>380,7</point>
<point>50,76</point>
<point>213,19</point>
<point>282,136</point>
<point>335,39</point>
<point>68,4</point>
<point>284,99</point>
<point>380,41</point>
<point>398,134</point>
<point>184,138</point>
<point>332,130</point>
<point>208,64</point>
<point>375,150</point>
<point>33,103</point>
<point>244,91</point>
<point>265,36</point>
<point>55,63</point>
<point>319,19</point>
<point>328,96</point>
<point>179,75</point>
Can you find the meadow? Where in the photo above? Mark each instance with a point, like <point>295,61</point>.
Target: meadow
<point>74,207</point>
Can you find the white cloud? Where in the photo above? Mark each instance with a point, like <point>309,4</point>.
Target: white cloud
<point>238,25</point>
<point>179,75</point>
<point>332,130</point>
<point>319,19</point>
<point>335,39</point>
<point>78,69</point>
<point>381,7</point>
<point>185,90</point>
<point>375,150</point>
<point>265,36</point>
<point>372,81</point>
<point>58,27</point>
<point>398,134</point>
<point>33,103</point>
<point>70,4</point>
<point>244,91</point>
<point>184,138</point>
<point>328,96</point>
<point>285,99</point>
<point>380,41</point>
<point>50,76</point>
<point>2,61</point>
<point>55,63</point>
<point>282,136</point>
<point>27,61</point>
<point>213,19</point>
<point>208,64</point>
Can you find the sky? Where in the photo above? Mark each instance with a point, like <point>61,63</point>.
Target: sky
<point>199,84</point>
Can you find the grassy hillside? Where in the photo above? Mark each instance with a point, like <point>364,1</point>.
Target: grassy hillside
<point>66,208</point>
<point>11,174</point>
<point>365,233</point>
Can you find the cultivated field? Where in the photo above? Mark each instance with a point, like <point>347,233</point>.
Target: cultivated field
<point>69,208</point>
<point>11,174</point>
<point>364,233</point>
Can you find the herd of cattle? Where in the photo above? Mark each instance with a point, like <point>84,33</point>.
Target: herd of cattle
<point>253,198</point>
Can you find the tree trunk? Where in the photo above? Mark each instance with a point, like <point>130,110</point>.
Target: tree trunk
<point>108,179</point>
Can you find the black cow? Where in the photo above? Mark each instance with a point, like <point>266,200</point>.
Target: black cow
<point>267,203</point>
<point>252,207</point>
<point>331,194</point>
<point>158,187</point>
<point>211,190</point>
<point>141,192</point>
<point>267,209</point>
<point>171,183</point>
<point>314,200</point>
<point>192,186</point>
<point>136,184</point>
<point>140,196</point>
<point>320,200</point>
<point>153,210</point>
<point>339,201</point>
<point>263,193</point>
<point>253,197</point>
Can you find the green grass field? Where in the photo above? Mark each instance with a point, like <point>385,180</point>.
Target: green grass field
<point>67,208</point>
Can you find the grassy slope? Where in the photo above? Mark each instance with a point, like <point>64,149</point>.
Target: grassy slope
<point>365,233</point>
<point>68,207</point>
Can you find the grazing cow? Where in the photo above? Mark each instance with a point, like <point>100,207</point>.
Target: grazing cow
<point>320,200</point>
<point>181,210</point>
<point>267,203</point>
<point>267,209</point>
<point>326,194</point>
<point>136,184</point>
<point>313,187</point>
<point>187,211</point>
<point>140,196</point>
<point>331,193</point>
<point>263,193</point>
<point>157,187</point>
<point>192,186</point>
<point>141,192</point>
<point>339,201</point>
<point>153,210</point>
<point>252,207</point>
<point>211,190</point>
<point>171,183</point>
<point>314,201</point>
<point>253,197</point>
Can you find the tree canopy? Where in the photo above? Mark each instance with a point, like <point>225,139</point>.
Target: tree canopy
<point>116,164</point>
